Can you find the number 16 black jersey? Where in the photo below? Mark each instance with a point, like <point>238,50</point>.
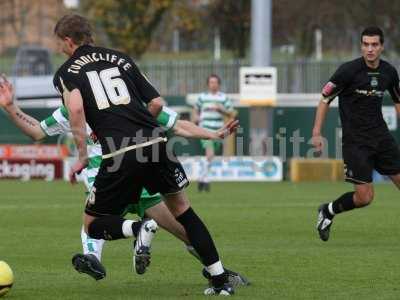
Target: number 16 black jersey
<point>114,94</point>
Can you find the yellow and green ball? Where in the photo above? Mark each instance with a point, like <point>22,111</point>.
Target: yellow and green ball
<point>6,278</point>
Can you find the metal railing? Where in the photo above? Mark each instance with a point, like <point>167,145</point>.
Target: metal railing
<point>181,78</point>
<point>185,77</point>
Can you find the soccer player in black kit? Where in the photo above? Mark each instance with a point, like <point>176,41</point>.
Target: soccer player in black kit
<point>105,88</point>
<point>367,143</point>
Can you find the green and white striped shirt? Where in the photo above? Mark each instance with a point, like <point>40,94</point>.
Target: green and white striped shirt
<point>207,104</point>
<point>58,123</point>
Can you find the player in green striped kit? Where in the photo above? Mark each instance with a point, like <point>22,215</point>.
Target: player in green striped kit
<point>149,205</point>
<point>58,124</point>
<point>211,108</point>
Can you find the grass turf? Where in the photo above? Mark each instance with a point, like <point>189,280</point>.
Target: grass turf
<point>266,231</point>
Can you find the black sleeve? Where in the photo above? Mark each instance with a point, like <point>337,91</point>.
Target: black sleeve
<point>394,89</point>
<point>145,88</point>
<point>336,84</point>
<point>65,83</point>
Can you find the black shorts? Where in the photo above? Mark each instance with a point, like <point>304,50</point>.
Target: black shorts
<point>120,184</point>
<point>360,159</point>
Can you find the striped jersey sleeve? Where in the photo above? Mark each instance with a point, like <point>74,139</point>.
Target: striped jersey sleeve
<point>167,118</point>
<point>57,123</point>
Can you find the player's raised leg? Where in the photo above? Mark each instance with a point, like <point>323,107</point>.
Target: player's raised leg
<point>358,170</point>
<point>114,227</point>
<point>362,196</point>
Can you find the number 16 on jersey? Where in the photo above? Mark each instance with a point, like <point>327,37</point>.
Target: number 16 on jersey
<point>107,83</point>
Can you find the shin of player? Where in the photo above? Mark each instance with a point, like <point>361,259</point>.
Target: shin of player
<point>91,246</point>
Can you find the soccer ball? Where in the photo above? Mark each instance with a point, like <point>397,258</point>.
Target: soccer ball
<point>6,278</point>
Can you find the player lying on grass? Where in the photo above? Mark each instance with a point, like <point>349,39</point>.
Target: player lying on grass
<point>150,206</point>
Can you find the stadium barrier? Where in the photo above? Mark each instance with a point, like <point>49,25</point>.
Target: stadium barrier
<point>179,77</point>
<point>27,162</point>
<point>235,168</point>
<point>316,169</point>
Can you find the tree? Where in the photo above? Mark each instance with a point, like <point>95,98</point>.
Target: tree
<point>232,19</point>
<point>128,25</point>
<point>16,15</point>
<point>294,22</point>
<point>341,22</point>
<point>187,18</point>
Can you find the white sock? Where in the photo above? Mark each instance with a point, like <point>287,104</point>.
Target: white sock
<point>127,230</point>
<point>215,269</point>
<point>206,172</point>
<point>91,246</point>
<point>330,208</point>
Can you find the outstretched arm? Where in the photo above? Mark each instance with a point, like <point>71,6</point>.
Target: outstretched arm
<point>190,130</point>
<point>168,119</point>
<point>29,125</point>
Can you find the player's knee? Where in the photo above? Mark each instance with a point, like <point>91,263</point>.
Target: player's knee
<point>364,198</point>
<point>177,203</point>
<point>94,230</point>
<point>106,228</point>
<point>178,208</point>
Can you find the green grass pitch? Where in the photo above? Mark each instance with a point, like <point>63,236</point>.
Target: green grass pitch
<point>264,230</point>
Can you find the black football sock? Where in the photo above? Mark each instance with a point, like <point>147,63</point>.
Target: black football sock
<point>199,237</point>
<point>113,228</point>
<point>342,204</point>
